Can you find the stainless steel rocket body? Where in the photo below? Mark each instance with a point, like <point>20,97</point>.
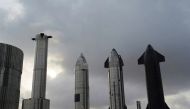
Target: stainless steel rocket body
<point>40,67</point>
<point>81,84</point>
<point>116,87</point>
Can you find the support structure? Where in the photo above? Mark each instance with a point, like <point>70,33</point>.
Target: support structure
<point>38,99</point>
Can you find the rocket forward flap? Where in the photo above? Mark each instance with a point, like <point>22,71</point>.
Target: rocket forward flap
<point>159,56</point>
<point>106,64</point>
<point>151,53</point>
<point>120,61</point>
<point>141,59</point>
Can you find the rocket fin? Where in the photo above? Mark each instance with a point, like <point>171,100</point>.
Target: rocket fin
<point>159,58</point>
<point>106,64</point>
<point>141,59</point>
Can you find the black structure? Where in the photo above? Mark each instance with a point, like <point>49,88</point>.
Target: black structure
<point>151,60</point>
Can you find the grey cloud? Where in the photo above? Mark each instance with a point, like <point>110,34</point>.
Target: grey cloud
<point>61,91</point>
<point>94,27</point>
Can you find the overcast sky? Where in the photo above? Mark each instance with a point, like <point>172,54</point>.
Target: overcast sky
<point>94,27</point>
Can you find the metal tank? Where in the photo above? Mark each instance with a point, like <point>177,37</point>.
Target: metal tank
<point>11,63</point>
<point>81,84</point>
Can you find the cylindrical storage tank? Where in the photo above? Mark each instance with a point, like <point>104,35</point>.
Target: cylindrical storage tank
<point>11,63</point>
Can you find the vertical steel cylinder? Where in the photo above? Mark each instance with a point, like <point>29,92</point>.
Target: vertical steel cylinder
<point>114,63</point>
<point>11,63</point>
<point>40,67</point>
<point>81,84</point>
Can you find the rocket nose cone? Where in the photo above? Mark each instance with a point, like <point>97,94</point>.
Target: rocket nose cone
<point>81,62</point>
<point>149,48</point>
<point>114,50</point>
<point>114,58</point>
<point>114,53</point>
<point>81,59</point>
<point>81,55</point>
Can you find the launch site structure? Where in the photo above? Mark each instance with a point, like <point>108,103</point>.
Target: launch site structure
<point>38,99</point>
